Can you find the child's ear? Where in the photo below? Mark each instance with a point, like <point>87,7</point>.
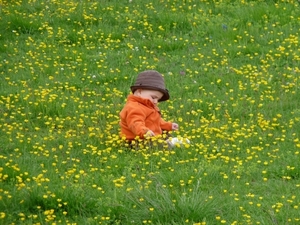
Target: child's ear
<point>137,92</point>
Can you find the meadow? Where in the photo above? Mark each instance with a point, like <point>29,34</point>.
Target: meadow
<point>232,69</point>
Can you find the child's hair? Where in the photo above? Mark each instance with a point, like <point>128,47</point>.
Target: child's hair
<point>152,80</point>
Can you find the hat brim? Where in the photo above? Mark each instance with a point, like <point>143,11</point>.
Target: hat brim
<point>165,92</point>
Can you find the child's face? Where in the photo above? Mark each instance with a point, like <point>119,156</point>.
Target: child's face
<point>152,95</point>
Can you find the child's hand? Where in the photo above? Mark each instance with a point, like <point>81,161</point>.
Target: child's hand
<point>175,126</point>
<point>149,133</point>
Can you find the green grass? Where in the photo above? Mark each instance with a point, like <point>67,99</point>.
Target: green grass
<point>232,69</point>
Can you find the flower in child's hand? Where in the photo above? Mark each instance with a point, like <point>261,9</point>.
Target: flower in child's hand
<point>175,126</point>
<point>149,133</point>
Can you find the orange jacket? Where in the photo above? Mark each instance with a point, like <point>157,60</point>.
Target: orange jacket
<point>140,115</point>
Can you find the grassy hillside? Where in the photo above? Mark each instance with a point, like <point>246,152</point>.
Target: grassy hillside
<point>232,69</point>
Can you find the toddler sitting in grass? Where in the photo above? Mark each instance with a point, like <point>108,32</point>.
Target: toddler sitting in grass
<point>140,118</point>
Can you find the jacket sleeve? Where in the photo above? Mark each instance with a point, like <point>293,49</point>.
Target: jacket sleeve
<point>136,122</point>
<point>165,125</point>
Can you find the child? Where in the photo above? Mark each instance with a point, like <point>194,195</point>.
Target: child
<point>140,116</point>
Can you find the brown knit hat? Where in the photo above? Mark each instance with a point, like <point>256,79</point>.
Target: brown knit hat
<point>152,80</point>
